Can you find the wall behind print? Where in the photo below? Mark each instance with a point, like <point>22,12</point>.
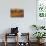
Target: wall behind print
<point>6,21</point>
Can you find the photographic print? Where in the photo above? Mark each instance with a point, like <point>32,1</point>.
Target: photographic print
<point>17,13</point>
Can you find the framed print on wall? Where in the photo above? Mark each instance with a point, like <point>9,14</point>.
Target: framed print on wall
<point>17,13</point>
